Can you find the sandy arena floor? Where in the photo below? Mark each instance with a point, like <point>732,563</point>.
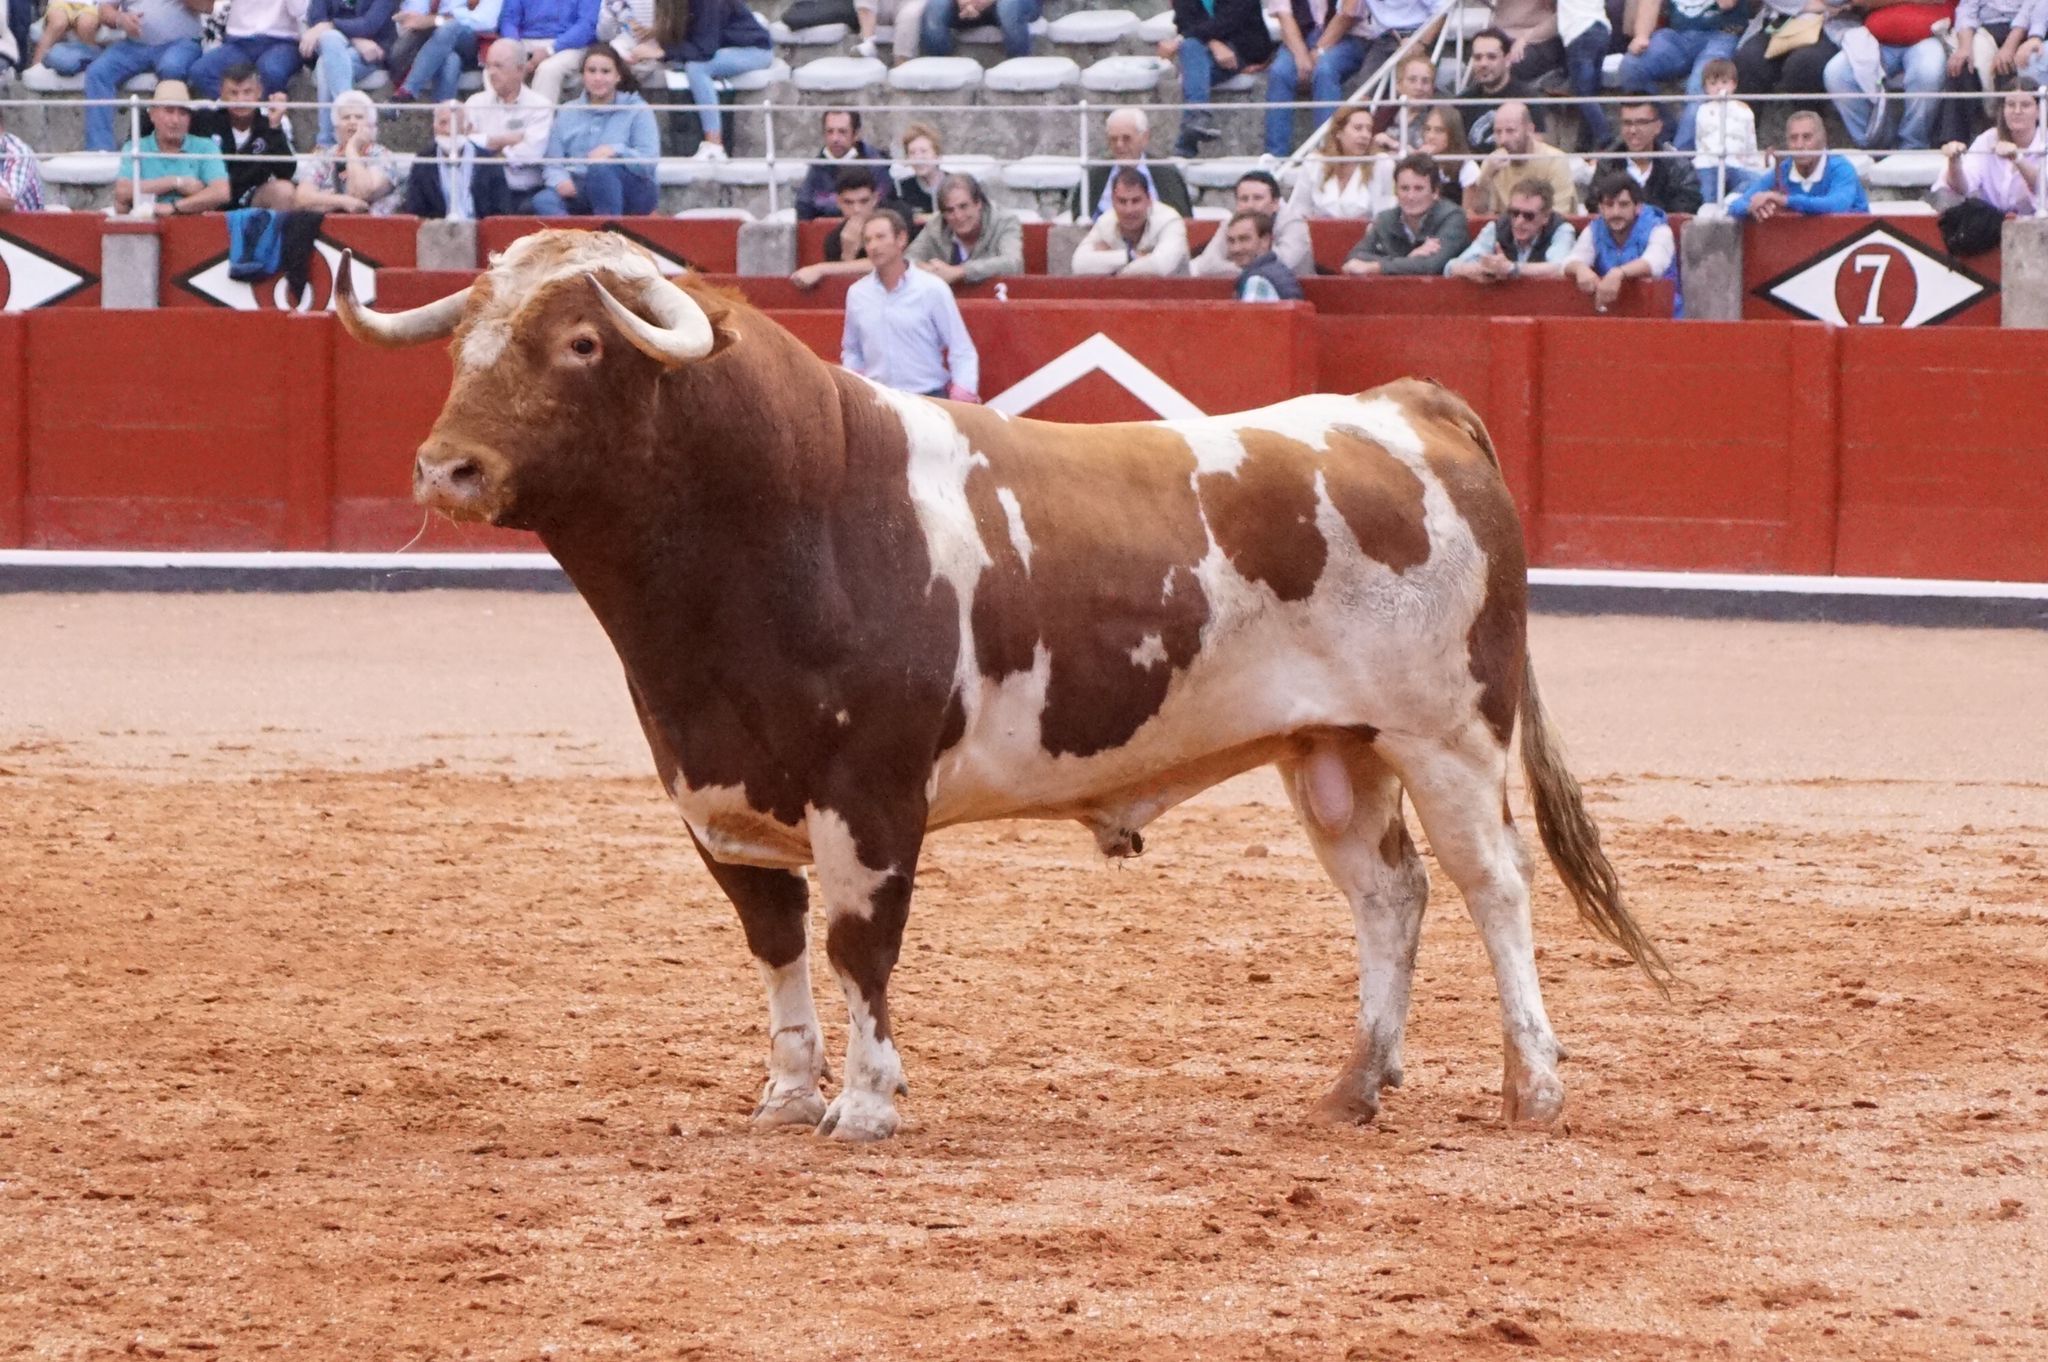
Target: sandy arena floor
<point>363,1000</point>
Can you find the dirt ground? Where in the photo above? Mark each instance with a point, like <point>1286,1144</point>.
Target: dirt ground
<point>362,999</point>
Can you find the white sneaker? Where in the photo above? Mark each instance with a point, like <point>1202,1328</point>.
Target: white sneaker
<point>710,151</point>
<point>864,48</point>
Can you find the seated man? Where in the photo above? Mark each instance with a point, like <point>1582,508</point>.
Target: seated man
<point>437,41</point>
<point>1855,77</point>
<point>969,239</point>
<point>153,35</point>
<point>1517,155</point>
<point>1421,234</point>
<point>239,128</point>
<point>819,195</point>
<point>1129,135</point>
<point>1138,236</point>
<point>509,121</point>
<point>941,17</point>
<point>555,33</point>
<point>1248,237</point>
<point>21,180</point>
<point>845,251</point>
<point>1225,35</point>
<point>1628,240</point>
<point>1493,79</point>
<point>1529,241</point>
<point>185,173</point>
<point>345,40</point>
<point>261,33</point>
<point>1667,181</point>
<point>1805,179</point>
<point>903,328</point>
<point>1258,192</point>
<point>1360,35</point>
<point>458,181</point>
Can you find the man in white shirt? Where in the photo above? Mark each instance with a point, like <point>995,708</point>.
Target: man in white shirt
<point>509,118</point>
<point>1259,192</point>
<point>1136,237</point>
<point>903,329</point>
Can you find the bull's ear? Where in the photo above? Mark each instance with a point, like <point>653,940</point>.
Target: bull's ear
<point>680,332</point>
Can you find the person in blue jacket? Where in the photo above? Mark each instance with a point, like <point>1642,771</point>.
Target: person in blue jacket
<point>345,40</point>
<point>723,39</point>
<point>555,33</point>
<point>609,128</point>
<point>1805,180</point>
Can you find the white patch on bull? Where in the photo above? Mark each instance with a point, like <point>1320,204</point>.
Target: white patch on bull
<point>865,1108</point>
<point>1217,448</point>
<point>847,883</point>
<point>1368,646</point>
<point>796,1048</point>
<point>736,833</point>
<point>1013,511</point>
<point>1150,652</point>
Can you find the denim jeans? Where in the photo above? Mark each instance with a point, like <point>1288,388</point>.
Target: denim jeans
<point>108,68</point>
<point>601,191</point>
<point>1924,67</point>
<point>437,66</point>
<point>1582,60</point>
<point>275,59</point>
<point>335,72</point>
<point>1197,71</point>
<point>1334,70</point>
<point>1673,53</point>
<point>1283,83</point>
<point>725,63</point>
<point>941,17</point>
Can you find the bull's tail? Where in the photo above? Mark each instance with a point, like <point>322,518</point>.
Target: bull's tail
<point>1573,841</point>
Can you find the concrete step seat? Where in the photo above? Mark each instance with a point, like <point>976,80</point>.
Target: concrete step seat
<point>1032,75</point>
<point>936,75</point>
<point>1125,75</point>
<point>754,173</point>
<point>675,172</point>
<point>817,35</point>
<point>43,81</point>
<point>840,75</point>
<point>1915,170</point>
<point>1042,174</point>
<point>1222,172</point>
<point>1092,27</point>
<point>83,168</point>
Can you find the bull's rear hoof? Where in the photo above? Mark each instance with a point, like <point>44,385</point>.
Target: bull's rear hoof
<point>1532,1099</point>
<point>859,1117</point>
<point>1344,1107</point>
<point>790,1107</point>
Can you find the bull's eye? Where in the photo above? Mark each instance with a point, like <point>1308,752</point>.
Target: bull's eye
<point>584,346</point>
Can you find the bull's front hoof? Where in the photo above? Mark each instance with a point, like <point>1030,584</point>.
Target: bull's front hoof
<point>1531,1099</point>
<point>789,1107</point>
<point>1345,1105</point>
<point>859,1117</point>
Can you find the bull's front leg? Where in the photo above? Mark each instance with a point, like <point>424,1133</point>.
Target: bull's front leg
<point>865,877</point>
<point>772,905</point>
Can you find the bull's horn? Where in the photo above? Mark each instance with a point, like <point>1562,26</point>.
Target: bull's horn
<point>434,321</point>
<point>680,331</point>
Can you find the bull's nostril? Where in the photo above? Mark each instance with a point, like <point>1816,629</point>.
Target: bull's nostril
<point>466,473</point>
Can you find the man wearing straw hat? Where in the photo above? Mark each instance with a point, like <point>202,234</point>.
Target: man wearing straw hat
<point>184,174</point>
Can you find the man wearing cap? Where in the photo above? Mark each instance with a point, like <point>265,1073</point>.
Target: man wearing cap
<point>184,172</point>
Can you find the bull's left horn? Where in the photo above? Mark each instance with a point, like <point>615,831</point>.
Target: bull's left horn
<point>431,322</point>
<point>680,331</point>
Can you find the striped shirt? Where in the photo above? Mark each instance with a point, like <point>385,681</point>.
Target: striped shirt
<point>19,175</point>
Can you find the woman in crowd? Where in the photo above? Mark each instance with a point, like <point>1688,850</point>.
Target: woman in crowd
<point>1398,128</point>
<point>919,190</point>
<point>358,174</point>
<point>1443,136</point>
<point>2003,166</point>
<point>712,40</point>
<point>1336,180</point>
<point>610,130</point>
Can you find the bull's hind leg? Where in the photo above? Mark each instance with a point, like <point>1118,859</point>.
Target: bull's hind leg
<point>1350,804</point>
<point>772,905</point>
<point>1459,785</point>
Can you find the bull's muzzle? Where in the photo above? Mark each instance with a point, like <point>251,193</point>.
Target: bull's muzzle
<point>452,482</point>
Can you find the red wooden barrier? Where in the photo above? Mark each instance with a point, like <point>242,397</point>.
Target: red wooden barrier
<point>1853,270</point>
<point>707,244</point>
<point>194,269</point>
<point>49,260</point>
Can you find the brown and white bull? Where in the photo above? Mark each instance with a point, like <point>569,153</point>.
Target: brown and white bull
<point>849,616</point>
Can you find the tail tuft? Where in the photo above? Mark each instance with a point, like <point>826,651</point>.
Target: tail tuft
<point>1573,841</point>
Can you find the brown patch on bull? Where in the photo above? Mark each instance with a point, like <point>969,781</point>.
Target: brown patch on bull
<point>1264,514</point>
<point>864,949</point>
<point>1116,533</point>
<point>1379,497</point>
<point>954,726</point>
<point>1498,639</point>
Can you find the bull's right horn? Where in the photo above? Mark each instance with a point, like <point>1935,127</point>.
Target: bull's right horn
<point>680,332</point>
<point>431,322</point>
